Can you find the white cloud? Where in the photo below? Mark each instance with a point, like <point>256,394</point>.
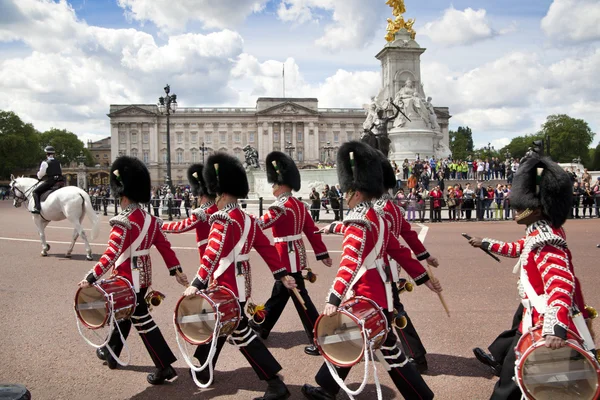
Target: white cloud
<point>573,20</point>
<point>460,27</point>
<point>353,22</point>
<point>173,16</point>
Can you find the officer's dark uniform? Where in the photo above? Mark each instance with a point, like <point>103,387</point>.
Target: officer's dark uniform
<point>53,175</point>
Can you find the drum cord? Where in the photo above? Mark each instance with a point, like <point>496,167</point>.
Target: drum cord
<point>340,382</point>
<point>211,353</point>
<point>112,323</point>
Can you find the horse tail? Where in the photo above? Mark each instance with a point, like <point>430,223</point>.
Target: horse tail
<point>91,214</point>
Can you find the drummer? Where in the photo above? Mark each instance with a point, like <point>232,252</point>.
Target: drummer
<point>132,234</point>
<point>550,292</point>
<point>232,235</point>
<point>360,176</point>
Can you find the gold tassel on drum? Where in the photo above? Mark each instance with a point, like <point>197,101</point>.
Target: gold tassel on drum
<point>310,276</point>
<point>256,312</point>
<point>154,298</point>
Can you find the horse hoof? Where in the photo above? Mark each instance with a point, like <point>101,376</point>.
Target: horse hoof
<point>47,247</point>
<point>89,257</point>
<point>44,253</point>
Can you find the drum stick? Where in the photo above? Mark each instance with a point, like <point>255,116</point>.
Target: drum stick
<point>484,250</point>
<point>300,299</point>
<point>439,294</point>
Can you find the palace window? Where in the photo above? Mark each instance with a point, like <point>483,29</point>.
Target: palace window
<point>223,137</point>
<point>179,137</point>
<point>194,155</point>
<point>350,135</point>
<point>134,153</point>
<point>164,156</point>
<point>208,137</point>
<point>322,137</point>
<point>133,137</point>
<point>299,136</point>
<point>336,137</point>
<point>146,137</point>
<point>146,156</point>
<point>194,137</point>
<point>236,137</point>
<point>275,137</point>
<point>122,137</point>
<point>251,137</point>
<point>164,138</point>
<point>300,155</point>
<point>180,156</point>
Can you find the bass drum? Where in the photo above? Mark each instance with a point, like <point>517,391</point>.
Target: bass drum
<point>341,338</point>
<point>567,373</point>
<point>195,316</point>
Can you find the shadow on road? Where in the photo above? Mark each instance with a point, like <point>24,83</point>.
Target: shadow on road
<point>446,364</point>
<point>286,340</point>
<point>74,257</point>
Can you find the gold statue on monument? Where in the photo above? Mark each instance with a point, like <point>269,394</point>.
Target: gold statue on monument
<point>398,8</point>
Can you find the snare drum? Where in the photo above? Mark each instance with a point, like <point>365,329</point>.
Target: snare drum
<point>563,374</point>
<point>94,305</point>
<point>340,338</point>
<point>195,316</point>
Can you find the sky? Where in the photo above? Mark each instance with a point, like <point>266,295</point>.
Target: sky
<point>500,66</point>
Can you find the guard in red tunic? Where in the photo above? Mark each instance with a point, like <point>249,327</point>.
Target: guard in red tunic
<point>201,215</point>
<point>550,292</point>
<point>225,261</point>
<point>362,269</point>
<point>288,217</point>
<point>399,227</point>
<point>132,234</point>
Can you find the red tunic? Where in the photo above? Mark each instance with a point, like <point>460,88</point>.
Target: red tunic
<point>400,227</point>
<point>126,228</point>
<point>199,221</point>
<point>288,217</point>
<point>361,229</point>
<point>226,230</point>
<point>544,255</point>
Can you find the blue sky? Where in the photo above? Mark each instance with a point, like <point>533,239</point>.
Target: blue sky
<point>501,67</point>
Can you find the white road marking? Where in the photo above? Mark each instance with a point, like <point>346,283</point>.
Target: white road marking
<point>105,245</point>
<point>423,233</point>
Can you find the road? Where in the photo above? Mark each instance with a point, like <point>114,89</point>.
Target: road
<point>41,348</point>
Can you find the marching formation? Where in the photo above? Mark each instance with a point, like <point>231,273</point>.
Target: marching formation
<point>363,318</point>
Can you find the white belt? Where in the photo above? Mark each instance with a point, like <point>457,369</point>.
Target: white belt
<point>202,242</point>
<point>140,252</point>
<point>242,257</point>
<point>290,238</point>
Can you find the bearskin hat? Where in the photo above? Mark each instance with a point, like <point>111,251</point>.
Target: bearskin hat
<point>285,172</point>
<point>389,175</point>
<point>230,177</point>
<point>359,168</point>
<point>541,183</point>
<point>197,183</point>
<point>129,177</point>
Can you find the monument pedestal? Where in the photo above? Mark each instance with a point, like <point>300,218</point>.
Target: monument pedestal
<point>408,142</point>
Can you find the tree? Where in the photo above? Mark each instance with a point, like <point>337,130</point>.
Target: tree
<point>461,143</point>
<point>19,144</point>
<point>67,145</point>
<point>519,145</point>
<point>595,164</point>
<point>569,137</point>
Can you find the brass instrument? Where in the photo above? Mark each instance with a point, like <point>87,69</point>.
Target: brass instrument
<point>256,313</point>
<point>591,312</point>
<point>310,276</point>
<point>405,286</point>
<point>154,298</point>
<point>399,320</point>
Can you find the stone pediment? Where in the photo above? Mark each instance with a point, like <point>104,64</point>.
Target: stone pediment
<point>287,109</point>
<point>131,110</point>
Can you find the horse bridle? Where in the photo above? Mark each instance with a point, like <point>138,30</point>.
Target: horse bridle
<point>19,199</point>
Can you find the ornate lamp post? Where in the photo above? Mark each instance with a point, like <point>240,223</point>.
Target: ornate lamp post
<point>81,173</point>
<point>290,149</point>
<point>507,154</point>
<point>166,106</point>
<point>203,149</point>
<point>328,149</point>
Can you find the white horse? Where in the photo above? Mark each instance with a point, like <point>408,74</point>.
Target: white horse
<point>69,202</point>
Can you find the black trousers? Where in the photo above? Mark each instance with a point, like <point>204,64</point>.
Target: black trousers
<point>501,346</point>
<point>411,342</point>
<point>506,388</point>
<point>404,374</point>
<point>252,348</point>
<point>44,186</point>
<point>155,343</point>
<point>278,300</point>
<point>314,213</point>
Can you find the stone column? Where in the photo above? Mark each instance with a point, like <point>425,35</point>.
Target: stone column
<point>114,141</point>
<point>270,139</point>
<point>314,146</point>
<point>153,141</point>
<point>294,142</point>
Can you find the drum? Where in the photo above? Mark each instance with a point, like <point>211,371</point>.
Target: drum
<point>95,305</point>
<point>341,338</point>
<point>563,374</point>
<point>196,316</point>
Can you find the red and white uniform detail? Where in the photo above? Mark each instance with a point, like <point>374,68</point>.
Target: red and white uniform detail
<point>126,228</point>
<point>361,230</point>
<point>399,227</point>
<point>227,227</point>
<point>198,220</point>
<point>547,266</point>
<point>288,217</point>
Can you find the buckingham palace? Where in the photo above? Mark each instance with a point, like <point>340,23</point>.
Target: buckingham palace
<point>293,125</point>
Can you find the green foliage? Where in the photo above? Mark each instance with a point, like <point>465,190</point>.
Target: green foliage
<point>89,159</point>
<point>67,144</point>
<point>595,164</point>
<point>19,144</point>
<point>570,138</point>
<point>461,143</point>
<point>519,145</point>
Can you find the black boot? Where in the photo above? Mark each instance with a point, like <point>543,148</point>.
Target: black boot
<point>110,360</point>
<point>101,353</point>
<point>262,333</point>
<point>420,364</point>
<point>312,350</point>
<point>275,391</point>
<point>316,393</point>
<point>37,207</point>
<point>488,360</point>
<point>161,375</point>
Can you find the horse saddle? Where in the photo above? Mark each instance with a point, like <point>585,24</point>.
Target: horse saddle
<point>57,185</point>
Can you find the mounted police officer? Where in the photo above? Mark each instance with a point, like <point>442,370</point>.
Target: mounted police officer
<point>50,172</point>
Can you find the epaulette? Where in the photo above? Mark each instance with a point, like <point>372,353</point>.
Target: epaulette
<point>200,213</point>
<point>379,204</point>
<point>120,219</point>
<point>358,215</point>
<point>545,236</point>
<point>220,215</point>
<point>279,204</point>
